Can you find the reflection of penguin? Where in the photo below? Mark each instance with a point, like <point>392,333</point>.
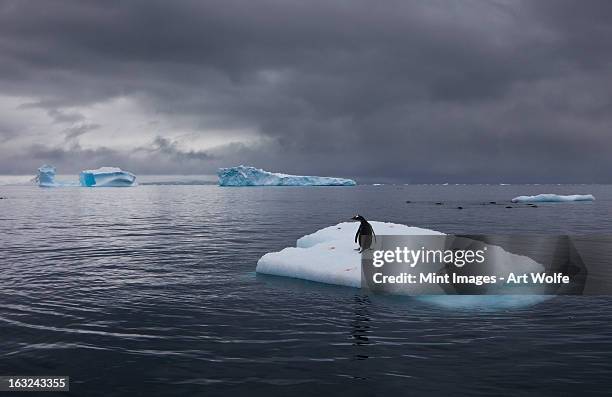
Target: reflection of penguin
<point>360,327</point>
<point>364,233</point>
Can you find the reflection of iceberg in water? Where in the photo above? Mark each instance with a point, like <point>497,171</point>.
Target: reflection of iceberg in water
<point>328,256</point>
<point>101,177</point>
<point>483,302</point>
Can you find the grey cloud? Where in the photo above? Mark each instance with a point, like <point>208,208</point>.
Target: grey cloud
<point>162,156</point>
<point>421,91</point>
<point>170,149</point>
<point>77,130</point>
<point>65,117</point>
<point>58,115</point>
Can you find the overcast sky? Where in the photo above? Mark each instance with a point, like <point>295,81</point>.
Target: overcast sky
<point>410,91</point>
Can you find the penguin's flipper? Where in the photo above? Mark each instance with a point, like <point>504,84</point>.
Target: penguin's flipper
<point>357,234</point>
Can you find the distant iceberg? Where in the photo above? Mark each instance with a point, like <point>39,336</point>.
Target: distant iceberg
<point>107,177</point>
<point>46,176</point>
<point>553,198</point>
<point>251,176</point>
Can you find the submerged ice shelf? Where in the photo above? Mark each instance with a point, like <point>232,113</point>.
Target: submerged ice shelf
<point>553,198</point>
<point>101,177</point>
<point>328,256</point>
<point>251,176</point>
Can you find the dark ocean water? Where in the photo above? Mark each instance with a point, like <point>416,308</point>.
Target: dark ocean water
<point>152,291</point>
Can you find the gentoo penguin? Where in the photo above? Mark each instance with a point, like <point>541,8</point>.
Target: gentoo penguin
<point>364,233</point>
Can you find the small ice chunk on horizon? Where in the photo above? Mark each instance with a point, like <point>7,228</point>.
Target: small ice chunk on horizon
<point>251,176</point>
<point>553,198</point>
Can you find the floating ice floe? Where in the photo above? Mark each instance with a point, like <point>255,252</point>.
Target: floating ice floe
<point>329,256</point>
<point>251,176</point>
<point>107,177</point>
<point>553,198</point>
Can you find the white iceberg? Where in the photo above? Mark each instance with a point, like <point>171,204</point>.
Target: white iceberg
<point>329,256</point>
<point>46,176</point>
<point>251,176</point>
<point>107,177</point>
<point>553,198</point>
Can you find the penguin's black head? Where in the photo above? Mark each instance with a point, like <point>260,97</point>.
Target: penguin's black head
<point>358,218</point>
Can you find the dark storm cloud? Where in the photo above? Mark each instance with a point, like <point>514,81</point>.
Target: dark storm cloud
<point>472,91</point>
<point>168,157</point>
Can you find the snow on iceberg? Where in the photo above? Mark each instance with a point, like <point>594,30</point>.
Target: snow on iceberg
<point>107,177</point>
<point>251,176</point>
<point>553,198</point>
<point>328,256</point>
